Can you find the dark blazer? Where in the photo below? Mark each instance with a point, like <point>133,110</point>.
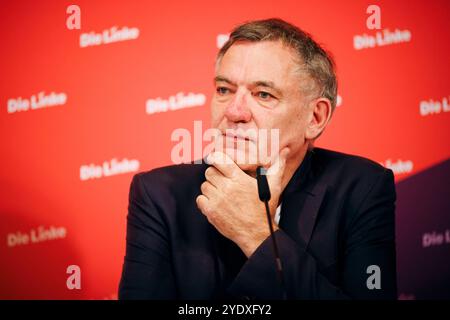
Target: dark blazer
<point>337,219</point>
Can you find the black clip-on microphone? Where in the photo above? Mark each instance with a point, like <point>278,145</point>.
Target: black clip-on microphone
<point>264,196</point>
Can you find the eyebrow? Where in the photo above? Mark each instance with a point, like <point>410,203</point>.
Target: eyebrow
<point>259,83</point>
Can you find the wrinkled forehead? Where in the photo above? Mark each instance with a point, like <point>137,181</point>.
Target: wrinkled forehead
<point>246,62</point>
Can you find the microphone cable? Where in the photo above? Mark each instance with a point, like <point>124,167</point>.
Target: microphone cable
<point>264,196</point>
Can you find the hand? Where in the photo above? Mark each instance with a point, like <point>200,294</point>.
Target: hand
<point>230,201</point>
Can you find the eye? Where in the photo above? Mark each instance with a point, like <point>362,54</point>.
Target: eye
<point>264,95</point>
<point>222,90</point>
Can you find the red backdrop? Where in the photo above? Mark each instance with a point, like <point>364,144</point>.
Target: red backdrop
<point>101,92</point>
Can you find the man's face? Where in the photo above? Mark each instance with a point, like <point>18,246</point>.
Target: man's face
<point>258,87</point>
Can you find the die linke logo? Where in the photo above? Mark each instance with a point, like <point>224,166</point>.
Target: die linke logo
<point>35,235</point>
<point>399,166</point>
<point>111,35</point>
<point>436,238</point>
<point>108,168</point>
<point>36,101</point>
<point>381,39</point>
<point>175,102</point>
<point>431,107</point>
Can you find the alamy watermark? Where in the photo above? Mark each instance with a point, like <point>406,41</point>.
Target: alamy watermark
<point>244,146</point>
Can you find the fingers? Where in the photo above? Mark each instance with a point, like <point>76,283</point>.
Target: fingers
<point>202,204</point>
<point>207,189</point>
<point>215,177</point>
<point>223,163</point>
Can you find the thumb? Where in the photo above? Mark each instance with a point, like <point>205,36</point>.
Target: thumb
<point>276,170</point>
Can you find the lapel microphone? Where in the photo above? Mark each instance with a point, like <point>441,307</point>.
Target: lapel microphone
<point>264,196</point>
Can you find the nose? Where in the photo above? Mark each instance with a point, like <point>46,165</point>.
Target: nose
<point>238,110</point>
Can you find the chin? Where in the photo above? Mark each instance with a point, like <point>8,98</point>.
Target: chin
<point>249,169</point>
<point>243,159</point>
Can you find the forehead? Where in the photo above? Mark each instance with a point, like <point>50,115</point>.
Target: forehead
<point>254,61</point>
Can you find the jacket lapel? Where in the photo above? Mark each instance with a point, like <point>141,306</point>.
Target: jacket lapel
<point>302,202</point>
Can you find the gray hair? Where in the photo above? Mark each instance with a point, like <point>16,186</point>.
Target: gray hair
<point>313,59</point>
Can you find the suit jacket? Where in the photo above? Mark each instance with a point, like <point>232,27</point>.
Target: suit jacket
<point>337,220</point>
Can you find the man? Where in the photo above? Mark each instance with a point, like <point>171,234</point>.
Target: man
<point>199,231</point>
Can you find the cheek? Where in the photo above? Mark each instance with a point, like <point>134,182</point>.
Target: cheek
<point>217,114</point>
<point>293,129</point>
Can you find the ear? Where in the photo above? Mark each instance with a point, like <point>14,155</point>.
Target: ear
<point>319,117</point>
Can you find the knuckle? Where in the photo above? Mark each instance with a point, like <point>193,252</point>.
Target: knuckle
<point>210,215</point>
<point>226,187</point>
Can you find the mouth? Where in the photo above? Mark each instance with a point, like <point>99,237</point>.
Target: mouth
<point>235,137</point>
